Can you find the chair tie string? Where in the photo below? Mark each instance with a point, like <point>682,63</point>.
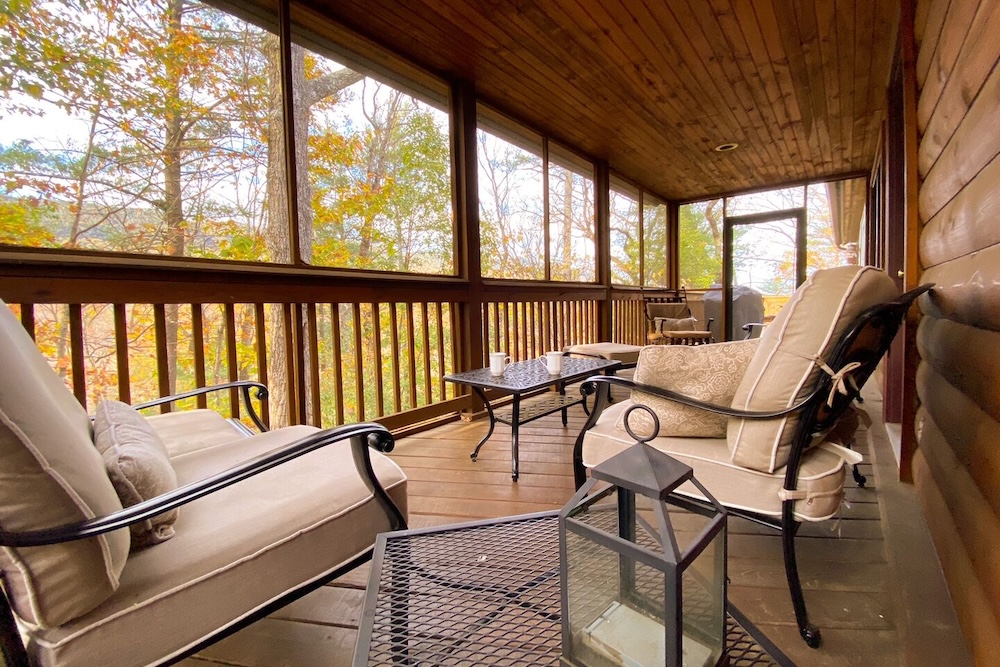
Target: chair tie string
<point>841,379</point>
<point>806,495</point>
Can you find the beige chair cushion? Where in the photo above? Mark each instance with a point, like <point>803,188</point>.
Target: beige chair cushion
<point>186,431</point>
<point>661,324</point>
<point>705,372</point>
<point>52,476</point>
<point>821,475</point>
<point>674,310</point>
<point>235,551</point>
<point>138,466</point>
<point>784,370</point>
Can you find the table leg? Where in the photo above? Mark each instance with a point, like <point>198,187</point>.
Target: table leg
<point>514,423</point>
<point>562,392</point>
<point>493,423</point>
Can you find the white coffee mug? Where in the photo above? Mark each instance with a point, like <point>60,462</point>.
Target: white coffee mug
<point>553,362</point>
<point>498,363</point>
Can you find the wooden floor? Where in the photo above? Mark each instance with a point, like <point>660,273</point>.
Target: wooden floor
<point>849,569</point>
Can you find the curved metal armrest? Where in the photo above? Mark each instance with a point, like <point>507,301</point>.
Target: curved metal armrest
<point>245,386</point>
<point>362,437</point>
<point>590,386</point>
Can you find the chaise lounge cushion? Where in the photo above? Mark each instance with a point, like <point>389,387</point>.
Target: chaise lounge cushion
<point>821,476</point>
<point>186,431</point>
<point>709,373</point>
<point>785,368</point>
<point>52,476</point>
<point>235,549</point>
<point>138,466</point>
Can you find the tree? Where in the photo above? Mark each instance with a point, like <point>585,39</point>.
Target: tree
<point>511,211</point>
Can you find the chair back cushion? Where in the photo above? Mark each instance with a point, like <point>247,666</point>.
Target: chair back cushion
<point>784,369</point>
<point>669,310</point>
<point>52,475</point>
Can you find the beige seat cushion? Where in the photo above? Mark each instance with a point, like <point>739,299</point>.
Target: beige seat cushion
<point>705,372</point>
<point>235,550</point>
<point>52,476</point>
<point>138,466</point>
<point>785,370</point>
<point>821,474</point>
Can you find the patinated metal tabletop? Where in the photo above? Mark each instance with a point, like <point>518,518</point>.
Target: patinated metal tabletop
<point>486,593</point>
<point>522,377</point>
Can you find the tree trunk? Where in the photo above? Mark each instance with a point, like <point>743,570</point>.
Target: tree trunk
<point>305,93</point>
<point>173,202</point>
<point>567,226</point>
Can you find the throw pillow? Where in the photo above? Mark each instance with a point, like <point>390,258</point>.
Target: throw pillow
<point>138,466</point>
<point>708,373</point>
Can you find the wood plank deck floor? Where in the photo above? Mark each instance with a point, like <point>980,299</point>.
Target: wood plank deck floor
<point>851,592</point>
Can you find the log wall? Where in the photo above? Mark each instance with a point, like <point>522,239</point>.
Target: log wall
<point>956,469</point>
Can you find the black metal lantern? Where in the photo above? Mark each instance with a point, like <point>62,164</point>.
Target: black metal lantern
<point>643,570</point>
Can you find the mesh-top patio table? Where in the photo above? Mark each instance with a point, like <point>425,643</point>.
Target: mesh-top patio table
<point>486,593</point>
<point>523,377</point>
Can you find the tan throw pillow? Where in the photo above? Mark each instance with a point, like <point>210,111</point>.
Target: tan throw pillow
<point>708,373</point>
<point>783,371</point>
<point>674,324</point>
<point>138,466</point>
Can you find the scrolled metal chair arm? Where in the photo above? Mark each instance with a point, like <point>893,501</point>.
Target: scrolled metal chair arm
<point>245,387</point>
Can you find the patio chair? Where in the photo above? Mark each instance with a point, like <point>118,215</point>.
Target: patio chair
<point>763,422</point>
<point>670,321</point>
<point>138,541</point>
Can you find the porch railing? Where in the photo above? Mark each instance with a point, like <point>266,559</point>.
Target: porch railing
<point>332,350</point>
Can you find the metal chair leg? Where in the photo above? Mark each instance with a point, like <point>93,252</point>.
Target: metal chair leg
<point>859,479</point>
<point>810,633</point>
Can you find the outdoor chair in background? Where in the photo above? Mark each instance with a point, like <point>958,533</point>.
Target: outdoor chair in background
<point>670,322</point>
<point>138,541</point>
<point>769,444</point>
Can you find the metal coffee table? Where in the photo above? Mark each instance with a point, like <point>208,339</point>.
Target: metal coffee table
<point>486,593</point>
<point>523,377</point>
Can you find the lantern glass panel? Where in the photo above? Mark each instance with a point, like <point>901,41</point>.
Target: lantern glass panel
<point>615,602</point>
<point>703,604</point>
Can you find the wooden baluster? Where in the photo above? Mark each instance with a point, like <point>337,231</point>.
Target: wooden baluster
<point>162,364</point>
<point>425,330</point>
<point>77,361</point>
<point>376,312</point>
<point>315,395</point>
<point>198,342</point>
<point>260,319</point>
<point>232,364</point>
<point>121,354</point>
<point>338,361</point>
<point>359,369</point>
<point>412,356</point>
<point>395,360</point>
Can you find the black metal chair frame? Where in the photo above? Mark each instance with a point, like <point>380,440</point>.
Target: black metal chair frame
<point>361,437</point>
<point>865,342</point>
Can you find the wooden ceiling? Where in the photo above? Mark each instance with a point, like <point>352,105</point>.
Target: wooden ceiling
<point>652,86</point>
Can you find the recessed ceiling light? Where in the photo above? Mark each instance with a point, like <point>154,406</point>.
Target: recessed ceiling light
<point>726,147</point>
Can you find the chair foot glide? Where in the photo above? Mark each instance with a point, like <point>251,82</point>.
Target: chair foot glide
<point>810,633</point>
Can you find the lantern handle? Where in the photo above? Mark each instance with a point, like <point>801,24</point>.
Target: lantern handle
<point>631,433</point>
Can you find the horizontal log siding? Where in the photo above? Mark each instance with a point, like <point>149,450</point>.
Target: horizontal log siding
<point>957,468</point>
